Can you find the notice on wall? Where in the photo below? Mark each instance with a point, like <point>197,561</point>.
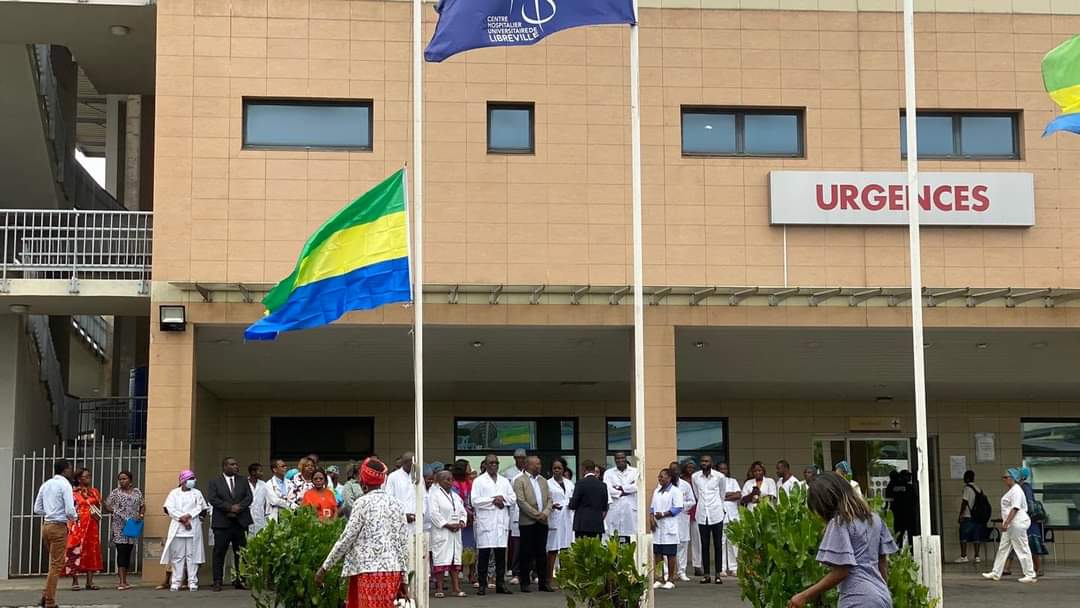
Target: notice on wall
<point>984,447</point>
<point>957,467</point>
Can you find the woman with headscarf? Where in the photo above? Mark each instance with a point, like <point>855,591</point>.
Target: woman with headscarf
<point>84,540</point>
<point>1014,529</point>
<point>462,486</point>
<point>1035,531</point>
<point>448,519</point>
<point>843,469</point>
<point>184,544</point>
<point>374,545</point>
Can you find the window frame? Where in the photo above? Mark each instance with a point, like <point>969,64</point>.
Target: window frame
<point>957,117</point>
<point>513,105</point>
<point>575,452</point>
<point>246,102</point>
<point>275,449</point>
<point>1042,493</point>
<point>695,454</point>
<point>740,113</point>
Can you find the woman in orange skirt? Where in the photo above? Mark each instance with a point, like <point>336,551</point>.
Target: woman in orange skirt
<point>84,538</point>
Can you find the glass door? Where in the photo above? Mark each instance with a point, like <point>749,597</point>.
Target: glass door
<point>873,460</point>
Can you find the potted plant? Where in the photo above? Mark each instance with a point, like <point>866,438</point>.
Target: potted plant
<point>594,574</point>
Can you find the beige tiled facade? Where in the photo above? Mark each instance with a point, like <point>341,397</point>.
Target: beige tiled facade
<point>562,215</point>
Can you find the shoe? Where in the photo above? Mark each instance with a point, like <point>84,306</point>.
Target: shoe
<point>1028,579</point>
<point>960,560</point>
<point>193,589</point>
<point>668,585</point>
<point>481,592</point>
<point>978,559</point>
<point>174,588</point>
<point>706,580</point>
<point>515,581</point>
<point>719,581</point>
<point>239,586</point>
<point>684,578</point>
<point>657,585</point>
<point>217,587</point>
<point>991,576</point>
<point>503,592</point>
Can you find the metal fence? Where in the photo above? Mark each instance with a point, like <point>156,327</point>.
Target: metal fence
<point>75,244</point>
<point>105,458</point>
<point>121,418</point>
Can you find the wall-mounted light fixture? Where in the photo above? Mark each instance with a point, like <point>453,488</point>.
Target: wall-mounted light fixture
<point>173,317</point>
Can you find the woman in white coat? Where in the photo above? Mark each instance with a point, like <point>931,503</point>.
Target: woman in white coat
<point>1014,526</point>
<point>448,517</point>
<point>561,523</point>
<point>683,518</point>
<point>184,545</point>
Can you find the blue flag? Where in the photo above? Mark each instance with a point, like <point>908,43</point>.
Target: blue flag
<point>472,24</point>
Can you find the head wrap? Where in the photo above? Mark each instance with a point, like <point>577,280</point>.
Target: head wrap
<point>437,466</point>
<point>292,473</point>
<point>1025,473</point>
<point>844,467</point>
<point>332,470</point>
<point>429,470</point>
<point>1015,473</point>
<point>186,474</point>
<point>369,476</point>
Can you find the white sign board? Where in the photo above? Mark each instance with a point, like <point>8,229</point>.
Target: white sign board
<point>957,467</point>
<point>880,198</point>
<point>985,447</point>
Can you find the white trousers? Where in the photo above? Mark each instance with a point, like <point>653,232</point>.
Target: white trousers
<point>729,554</point>
<point>695,546</point>
<point>684,549</point>
<point>182,556</point>
<point>1015,539</point>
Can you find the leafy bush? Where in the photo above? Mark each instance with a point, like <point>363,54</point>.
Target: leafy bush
<point>777,556</point>
<point>597,575</point>
<point>280,562</point>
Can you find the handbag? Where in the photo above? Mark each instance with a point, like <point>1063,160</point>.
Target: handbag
<point>133,528</point>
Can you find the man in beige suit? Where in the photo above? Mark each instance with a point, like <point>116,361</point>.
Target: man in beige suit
<point>534,504</point>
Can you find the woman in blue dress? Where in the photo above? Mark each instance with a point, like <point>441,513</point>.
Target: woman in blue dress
<point>855,547</point>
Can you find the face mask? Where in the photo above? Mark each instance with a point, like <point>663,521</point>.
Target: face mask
<point>190,484</point>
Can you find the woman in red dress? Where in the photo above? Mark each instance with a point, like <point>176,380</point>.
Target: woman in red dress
<point>84,538</point>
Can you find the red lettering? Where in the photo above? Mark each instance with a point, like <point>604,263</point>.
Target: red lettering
<point>896,198</point>
<point>849,197</point>
<point>924,198</point>
<point>982,201</point>
<point>831,204</point>
<point>873,197</point>
<point>962,198</point>
<point>939,192</point>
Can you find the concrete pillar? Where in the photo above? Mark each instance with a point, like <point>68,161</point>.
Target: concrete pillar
<point>138,191</point>
<point>115,145</point>
<point>169,431</point>
<point>10,330</point>
<point>660,402</point>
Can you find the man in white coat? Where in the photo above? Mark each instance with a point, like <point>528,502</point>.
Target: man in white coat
<point>622,488</point>
<point>399,484</point>
<point>184,544</point>
<point>448,517</point>
<point>683,519</point>
<point>492,496</point>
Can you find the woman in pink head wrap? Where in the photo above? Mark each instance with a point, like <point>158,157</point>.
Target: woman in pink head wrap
<point>184,545</point>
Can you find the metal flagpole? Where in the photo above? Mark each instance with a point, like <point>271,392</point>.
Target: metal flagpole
<point>644,550</point>
<point>420,553</point>
<point>928,546</point>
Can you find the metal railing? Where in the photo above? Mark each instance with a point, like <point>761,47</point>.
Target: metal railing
<point>120,418</point>
<point>74,245</point>
<point>61,403</point>
<point>95,331</point>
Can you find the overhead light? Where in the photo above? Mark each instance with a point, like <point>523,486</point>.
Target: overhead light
<point>927,345</point>
<point>223,341</point>
<point>701,344</point>
<point>172,317</point>
<point>982,345</point>
<point>585,343</point>
<point>883,399</point>
<point>708,127</point>
<point>478,344</point>
<point>119,30</point>
<point>1038,345</point>
<point>812,344</point>
<point>19,309</point>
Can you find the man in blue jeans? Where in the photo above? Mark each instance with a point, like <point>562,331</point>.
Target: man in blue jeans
<point>970,530</point>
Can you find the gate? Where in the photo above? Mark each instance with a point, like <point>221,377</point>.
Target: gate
<point>105,458</point>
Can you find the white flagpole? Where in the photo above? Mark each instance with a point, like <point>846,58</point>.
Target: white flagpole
<point>420,554</point>
<point>928,549</point>
<point>644,551</point>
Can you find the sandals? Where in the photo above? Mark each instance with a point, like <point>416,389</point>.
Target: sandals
<point>93,588</point>
<point>76,588</point>
<point>439,595</point>
<point>461,594</point>
<point>123,587</point>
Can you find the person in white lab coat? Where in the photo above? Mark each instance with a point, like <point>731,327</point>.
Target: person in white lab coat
<point>1014,527</point>
<point>689,501</point>
<point>732,498</point>
<point>448,517</point>
<point>184,544</point>
<point>561,523</point>
<point>512,473</point>
<point>758,488</point>
<point>622,488</point>
<point>667,504</point>
<point>277,491</point>
<point>687,470</point>
<point>492,496</point>
<point>400,485</point>
<point>260,508</point>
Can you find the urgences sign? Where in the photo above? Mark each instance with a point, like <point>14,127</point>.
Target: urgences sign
<point>873,198</point>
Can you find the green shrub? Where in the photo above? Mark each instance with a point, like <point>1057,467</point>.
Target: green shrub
<point>597,575</point>
<point>280,562</point>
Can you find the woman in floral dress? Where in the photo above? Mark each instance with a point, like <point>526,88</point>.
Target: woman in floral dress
<point>84,540</point>
<point>125,503</point>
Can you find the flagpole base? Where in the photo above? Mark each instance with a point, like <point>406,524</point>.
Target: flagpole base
<point>927,552</point>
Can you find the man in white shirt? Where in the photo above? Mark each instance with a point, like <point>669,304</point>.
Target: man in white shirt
<point>785,479</point>
<point>512,473</point>
<point>710,486</point>
<point>492,496</point>
<point>732,497</point>
<point>399,484</point>
<point>622,488</point>
<point>259,503</point>
<point>55,501</point>
<point>276,494</point>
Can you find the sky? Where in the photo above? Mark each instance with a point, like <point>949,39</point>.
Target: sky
<point>94,166</point>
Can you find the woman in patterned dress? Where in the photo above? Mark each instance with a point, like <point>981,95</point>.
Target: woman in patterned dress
<point>84,541</point>
<point>125,503</point>
<point>374,545</point>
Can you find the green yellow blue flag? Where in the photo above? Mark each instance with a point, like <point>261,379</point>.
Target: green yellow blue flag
<point>1061,75</point>
<point>357,260</point>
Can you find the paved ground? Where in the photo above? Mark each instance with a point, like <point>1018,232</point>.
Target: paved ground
<point>963,589</point>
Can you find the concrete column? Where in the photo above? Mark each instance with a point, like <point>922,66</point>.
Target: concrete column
<point>115,145</point>
<point>10,329</point>
<point>138,191</point>
<point>169,431</point>
<point>660,402</point>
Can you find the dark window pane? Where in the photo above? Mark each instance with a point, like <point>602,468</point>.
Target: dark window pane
<point>332,438</point>
<point>698,435</point>
<point>308,125</point>
<point>1051,449</point>
<point>510,129</point>
<point>705,133</point>
<point>935,135</point>
<point>771,134</point>
<point>987,136</point>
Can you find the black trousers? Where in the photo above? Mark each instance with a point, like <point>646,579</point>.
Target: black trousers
<point>715,533</point>
<point>533,550</point>
<point>123,555</point>
<point>587,534</point>
<point>500,567</point>
<point>235,536</point>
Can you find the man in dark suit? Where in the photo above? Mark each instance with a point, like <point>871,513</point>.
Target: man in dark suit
<point>589,503</point>
<point>230,496</point>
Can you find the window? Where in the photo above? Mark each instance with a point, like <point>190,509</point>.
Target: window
<point>695,437</point>
<point>1051,449</point>
<point>548,438</point>
<point>330,438</point>
<point>742,132</point>
<point>308,123</point>
<point>510,128</point>
<point>961,135</point>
